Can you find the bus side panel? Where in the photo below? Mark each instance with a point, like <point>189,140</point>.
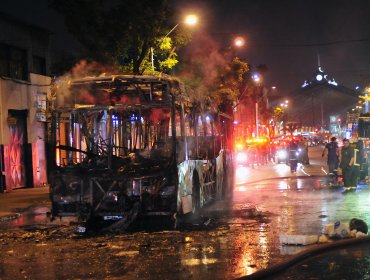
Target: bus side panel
<point>186,171</point>
<point>220,174</point>
<point>228,173</point>
<point>211,181</point>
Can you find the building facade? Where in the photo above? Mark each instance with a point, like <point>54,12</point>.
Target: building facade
<point>321,104</point>
<point>24,85</point>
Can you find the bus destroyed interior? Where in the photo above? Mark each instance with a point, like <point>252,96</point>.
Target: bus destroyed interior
<point>121,146</point>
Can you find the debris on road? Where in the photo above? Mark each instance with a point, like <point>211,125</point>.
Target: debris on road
<point>190,221</point>
<point>298,239</point>
<point>338,230</point>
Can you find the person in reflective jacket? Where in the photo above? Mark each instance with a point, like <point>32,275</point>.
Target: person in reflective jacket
<point>346,163</point>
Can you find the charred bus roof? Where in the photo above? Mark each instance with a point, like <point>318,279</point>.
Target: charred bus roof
<point>117,90</point>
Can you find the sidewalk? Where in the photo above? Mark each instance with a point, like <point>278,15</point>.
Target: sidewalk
<point>13,203</point>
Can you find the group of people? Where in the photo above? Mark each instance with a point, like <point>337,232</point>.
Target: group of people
<point>260,154</point>
<point>346,159</point>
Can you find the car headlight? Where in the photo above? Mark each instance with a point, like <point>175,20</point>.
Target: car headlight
<point>241,157</point>
<point>282,154</point>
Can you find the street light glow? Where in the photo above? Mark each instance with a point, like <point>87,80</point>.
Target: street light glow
<point>239,41</point>
<point>191,19</point>
<point>256,78</point>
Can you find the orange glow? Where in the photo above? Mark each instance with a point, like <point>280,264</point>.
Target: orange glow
<point>239,41</point>
<point>241,188</point>
<point>239,146</point>
<point>258,140</point>
<point>191,19</point>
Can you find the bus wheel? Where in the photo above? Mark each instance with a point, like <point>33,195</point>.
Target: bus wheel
<point>195,196</point>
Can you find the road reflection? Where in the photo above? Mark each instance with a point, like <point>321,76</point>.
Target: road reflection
<point>242,237</point>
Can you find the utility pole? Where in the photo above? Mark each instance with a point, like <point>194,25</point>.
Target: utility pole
<point>322,117</point>
<point>313,112</point>
<point>257,119</point>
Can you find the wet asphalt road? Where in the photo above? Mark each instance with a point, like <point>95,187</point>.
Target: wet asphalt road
<point>238,236</point>
<point>349,262</point>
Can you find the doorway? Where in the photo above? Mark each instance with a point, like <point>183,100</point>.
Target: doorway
<point>19,169</point>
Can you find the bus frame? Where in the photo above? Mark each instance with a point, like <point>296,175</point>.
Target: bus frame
<point>122,145</point>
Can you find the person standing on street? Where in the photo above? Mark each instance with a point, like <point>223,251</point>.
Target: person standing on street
<point>293,156</point>
<point>306,160</point>
<point>346,163</point>
<point>333,156</point>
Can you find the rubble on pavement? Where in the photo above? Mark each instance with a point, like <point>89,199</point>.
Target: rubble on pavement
<point>339,230</point>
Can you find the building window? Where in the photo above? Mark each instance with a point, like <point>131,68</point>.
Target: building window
<point>39,65</point>
<point>13,62</point>
<point>4,61</point>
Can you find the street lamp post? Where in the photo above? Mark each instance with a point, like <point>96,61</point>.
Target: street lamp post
<point>257,121</point>
<point>189,20</point>
<point>284,105</point>
<point>257,79</point>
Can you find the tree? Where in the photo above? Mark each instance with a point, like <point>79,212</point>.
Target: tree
<point>277,114</point>
<point>211,78</point>
<point>165,50</point>
<point>119,32</point>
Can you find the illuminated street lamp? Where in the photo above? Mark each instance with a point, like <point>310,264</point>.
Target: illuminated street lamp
<point>239,41</point>
<point>256,78</point>
<point>189,20</point>
<point>285,104</point>
<point>233,46</point>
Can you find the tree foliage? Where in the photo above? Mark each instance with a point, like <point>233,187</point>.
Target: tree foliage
<point>217,82</point>
<point>122,32</point>
<point>278,113</point>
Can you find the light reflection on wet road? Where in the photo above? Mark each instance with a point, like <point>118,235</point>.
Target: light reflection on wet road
<point>305,203</point>
<point>243,236</point>
<point>294,206</point>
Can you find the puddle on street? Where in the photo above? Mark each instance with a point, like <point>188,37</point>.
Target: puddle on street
<point>37,215</point>
<point>234,238</point>
<point>292,183</point>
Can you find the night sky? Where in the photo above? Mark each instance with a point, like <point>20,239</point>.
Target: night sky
<point>289,35</point>
<point>286,35</point>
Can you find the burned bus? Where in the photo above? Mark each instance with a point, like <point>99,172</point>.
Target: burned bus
<point>122,145</point>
